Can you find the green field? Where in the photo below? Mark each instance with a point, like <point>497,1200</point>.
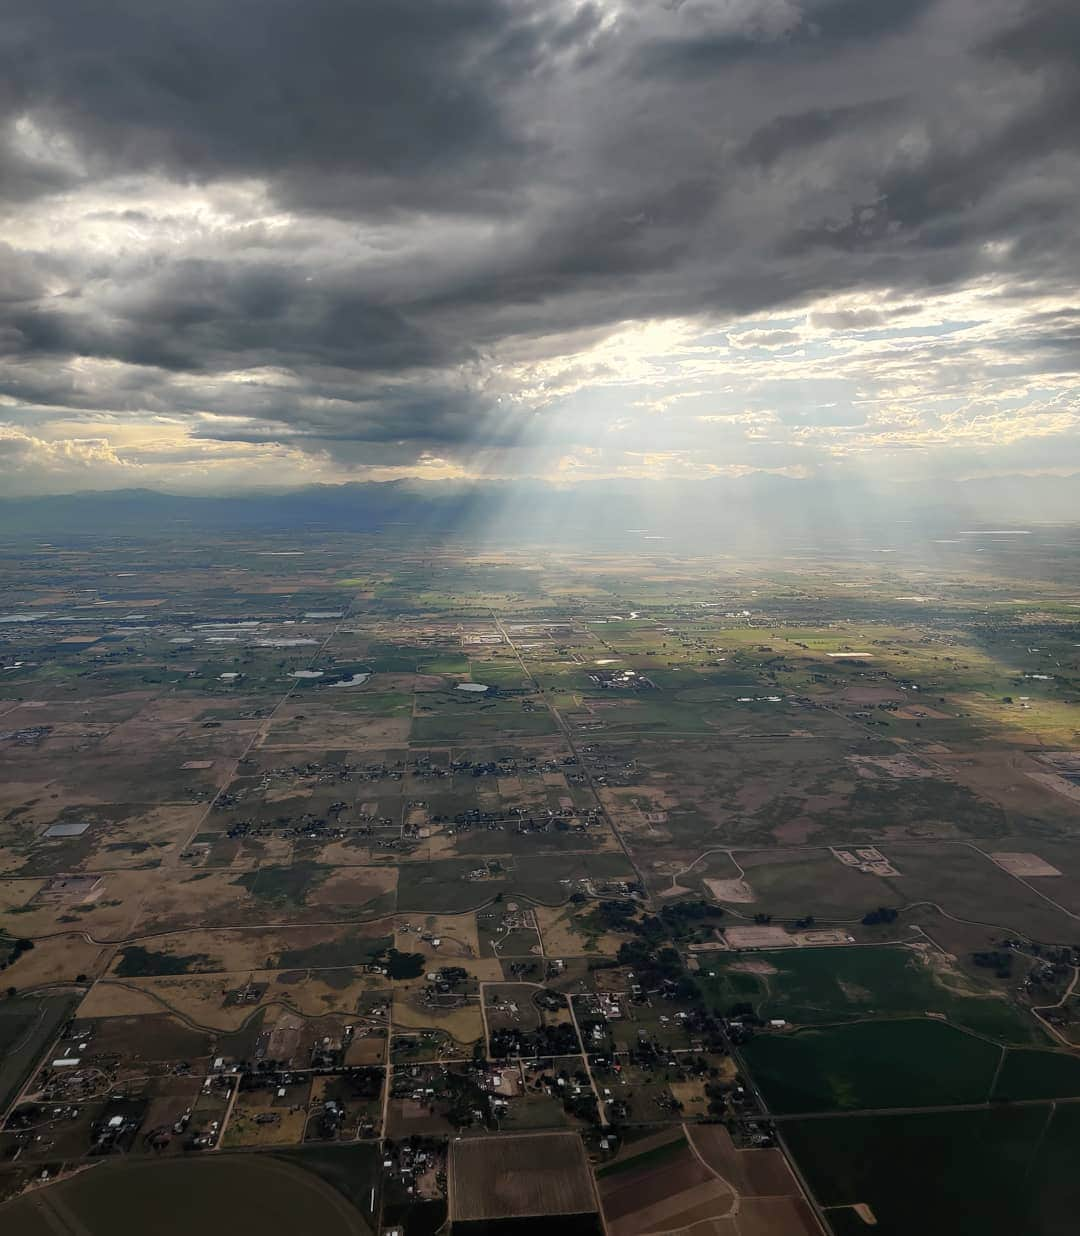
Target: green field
<point>213,1196</point>
<point>1008,1172</point>
<point>901,1063</point>
<point>1038,1075</point>
<point>815,986</point>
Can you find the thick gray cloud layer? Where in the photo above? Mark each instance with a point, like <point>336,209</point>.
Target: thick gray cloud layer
<point>366,229</point>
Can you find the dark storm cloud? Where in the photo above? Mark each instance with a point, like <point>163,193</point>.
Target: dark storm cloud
<point>821,27</point>
<point>400,94</point>
<point>1045,34</point>
<point>465,176</point>
<point>800,130</point>
<point>200,315</point>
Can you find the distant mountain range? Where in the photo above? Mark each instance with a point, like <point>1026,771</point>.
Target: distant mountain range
<point>716,513</point>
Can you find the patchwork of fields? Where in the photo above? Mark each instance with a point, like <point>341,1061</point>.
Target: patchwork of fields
<point>425,869</point>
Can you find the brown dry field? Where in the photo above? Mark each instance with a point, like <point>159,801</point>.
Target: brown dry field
<point>130,774</point>
<point>456,932</point>
<point>210,896</point>
<point>355,888</point>
<point>774,1216</point>
<point>630,806</point>
<point>1007,776</point>
<point>694,1207</point>
<point>300,725</point>
<point>517,1176</point>
<point>757,937</point>
<point>691,1094</point>
<point>439,845</point>
<point>274,849</point>
<point>106,1000</point>
<point>57,960</point>
<point>678,1193</point>
<point>342,853</point>
<point>243,1130</point>
<point>179,743</point>
<point>109,711</point>
<point>751,1173</point>
<point>165,829</point>
<point>107,913</point>
<point>250,948</point>
<point>186,709</point>
<point>561,939</point>
<point>201,998</point>
<point>177,901</point>
<point>465,1025</point>
<point>366,1049</point>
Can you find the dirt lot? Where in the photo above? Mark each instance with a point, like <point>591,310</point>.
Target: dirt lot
<point>757,937</point>
<point>730,890</point>
<point>513,1177</point>
<point>1023,864</point>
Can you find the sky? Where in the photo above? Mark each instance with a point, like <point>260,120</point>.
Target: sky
<point>283,242</point>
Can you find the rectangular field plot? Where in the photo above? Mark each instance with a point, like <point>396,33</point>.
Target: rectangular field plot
<point>696,1180</point>
<point>820,985</point>
<point>518,1177</point>
<point>1023,864</point>
<point>886,1064</point>
<point>1005,1172</point>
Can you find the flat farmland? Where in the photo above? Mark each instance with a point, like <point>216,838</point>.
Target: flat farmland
<point>788,883</point>
<point>968,885</point>
<point>1038,1075</point>
<point>900,1063</point>
<point>225,1001</point>
<point>446,887</point>
<point>996,1173</point>
<point>519,1176</point>
<point>170,1198</point>
<point>824,985</point>
<point>270,790</point>
<point>770,1202</point>
<point>661,1184</point>
<point>28,1025</point>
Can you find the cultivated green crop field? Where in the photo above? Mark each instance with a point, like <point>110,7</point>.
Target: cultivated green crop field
<point>918,1063</point>
<point>816,986</point>
<point>1008,1172</point>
